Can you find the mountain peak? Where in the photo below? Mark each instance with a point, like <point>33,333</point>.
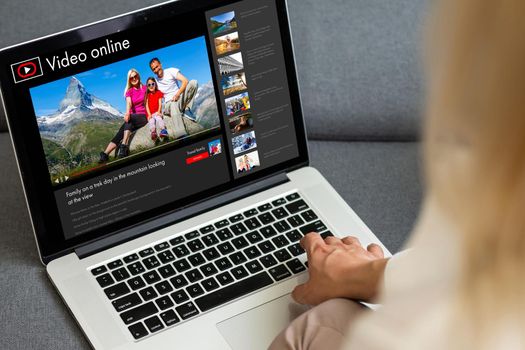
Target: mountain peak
<point>76,95</point>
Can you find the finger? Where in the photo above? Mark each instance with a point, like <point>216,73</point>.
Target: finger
<point>351,240</point>
<point>299,293</point>
<point>376,250</point>
<point>331,240</point>
<point>311,241</point>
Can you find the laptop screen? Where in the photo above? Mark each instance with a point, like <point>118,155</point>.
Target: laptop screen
<point>152,114</point>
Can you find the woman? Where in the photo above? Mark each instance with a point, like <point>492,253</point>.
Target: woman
<point>134,118</point>
<point>462,285</point>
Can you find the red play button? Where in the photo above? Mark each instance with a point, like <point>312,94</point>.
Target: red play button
<point>27,69</point>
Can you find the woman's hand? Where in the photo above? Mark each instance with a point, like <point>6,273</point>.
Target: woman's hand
<point>340,268</point>
<point>126,117</point>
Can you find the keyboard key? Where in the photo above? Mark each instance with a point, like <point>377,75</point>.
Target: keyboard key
<point>281,226</point>
<point>264,207</point>
<point>268,231</point>
<point>177,240</point>
<point>120,274</point>
<point>166,271</point>
<point>222,223</point>
<point>296,206</point>
<point>279,272</point>
<point>187,310</point>
<point>181,251</point>
<point>195,290</point>
<point>98,270</point>
<point>151,262</point>
<point>240,242</point>
<point>252,223</point>
<point>117,290</point>
<point>164,303</point>
<point>326,234</point>
<point>196,259</point>
<point>191,235</point>
<point>294,235</point>
<point>292,197</point>
<point>309,215</point>
<point>252,252</point>
<point>278,202</point>
<point>224,234</point>
<point>224,278</point>
<point>238,229</point>
<point>166,256</point>
<point>136,268</point>
<point>114,264</point>
<point>254,237</point>
<point>209,269</point>
<point>223,264</point>
<point>295,266</point>
<point>225,248</point>
<point>154,324</point>
<point>250,212</point>
<point>280,241</point>
<point>210,284</point>
<point>179,296</point>
<point>207,229</point>
<point>136,283</point>
<point>131,258</point>
<point>193,275</point>
<point>138,330</point>
<point>236,218</point>
<point>126,302</point>
<point>210,240</point>
<point>178,281</point>
<point>151,277</point>
<point>148,293</point>
<point>146,252</point>
<point>268,261</point>
<point>105,280</point>
<point>169,317</point>
<point>279,213</point>
<point>282,255</point>
<point>195,245</point>
<point>161,246</point>
<point>266,247</point>
<point>182,265</point>
<point>238,258</point>
<point>316,226</point>
<point>163,287</point>
<point>233,291</point>
<point>254,266</point>
<point>296,249</point>
<point>295,221</point>
<point>266,218</point>
<point>239,272</point>
<point>211,254</point>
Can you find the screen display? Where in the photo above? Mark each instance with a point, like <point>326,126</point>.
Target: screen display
<point>131,124</point>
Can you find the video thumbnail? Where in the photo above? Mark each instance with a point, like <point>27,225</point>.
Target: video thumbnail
<point>104,116</point>
<point>233,83</point>
<point>237,103</point>
<point>227,43</point>
<point>230,64</point>
<point>215,147</point>
<point>241,123</point>
<point>223,23</point>
<point>244,142</point>
<point>247,162</point>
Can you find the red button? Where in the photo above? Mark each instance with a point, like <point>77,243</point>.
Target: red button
<point>197,157</point>
<point>28,71</point>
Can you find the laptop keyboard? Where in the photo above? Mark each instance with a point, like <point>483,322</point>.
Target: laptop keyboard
<point>170,282</point>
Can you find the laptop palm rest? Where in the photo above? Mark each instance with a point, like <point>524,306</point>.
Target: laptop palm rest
<point>256,328</point>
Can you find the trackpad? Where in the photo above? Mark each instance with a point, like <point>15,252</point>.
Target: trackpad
<point>255,329</point>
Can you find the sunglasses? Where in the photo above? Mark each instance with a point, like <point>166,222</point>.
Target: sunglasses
<point>151,84</point>
<point>133,77</point>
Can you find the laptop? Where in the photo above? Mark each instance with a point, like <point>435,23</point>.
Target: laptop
<point>164,161</point>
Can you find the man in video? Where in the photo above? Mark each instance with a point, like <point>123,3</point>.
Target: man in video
<point>179,94</point>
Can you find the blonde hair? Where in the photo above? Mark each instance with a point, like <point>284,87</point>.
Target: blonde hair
<point>128,84</point>
<point>475,157</point>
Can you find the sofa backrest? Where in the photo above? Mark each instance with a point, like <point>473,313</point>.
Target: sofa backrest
<point>358,60</point>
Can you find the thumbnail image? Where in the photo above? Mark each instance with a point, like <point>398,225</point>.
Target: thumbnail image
<point>241,123</point>
<point>237,103</point>
<point>86,125</point>
<point>215,147</point>
<point>247,162</point>
<point>244,142</point>
<point>223,23</point>
<point>233,83</point>
<point>227,43</point>
<point>230,64</point>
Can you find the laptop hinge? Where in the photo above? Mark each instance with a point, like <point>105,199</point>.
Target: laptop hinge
<point>182,214</point>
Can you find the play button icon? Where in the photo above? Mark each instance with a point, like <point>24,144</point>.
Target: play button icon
<point>26,70</point>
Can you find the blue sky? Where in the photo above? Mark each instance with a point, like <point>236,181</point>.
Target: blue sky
<point>224,17</point>
<point>108,82</point>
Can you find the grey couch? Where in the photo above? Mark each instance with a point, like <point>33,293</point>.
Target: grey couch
<point>361,85</point>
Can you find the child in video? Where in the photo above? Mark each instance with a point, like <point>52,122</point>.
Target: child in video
<point>154,110</point>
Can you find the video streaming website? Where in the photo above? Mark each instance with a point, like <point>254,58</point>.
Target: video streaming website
<point>125,138</point>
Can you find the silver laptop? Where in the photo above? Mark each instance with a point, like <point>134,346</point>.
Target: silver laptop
<point>164,161</point>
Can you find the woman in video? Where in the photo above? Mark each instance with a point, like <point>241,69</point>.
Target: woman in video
<point>134,118</point>
<point>154,109</point>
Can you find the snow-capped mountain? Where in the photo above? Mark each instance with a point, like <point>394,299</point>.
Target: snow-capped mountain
<point>76,106</point>
<point>205,106</point>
